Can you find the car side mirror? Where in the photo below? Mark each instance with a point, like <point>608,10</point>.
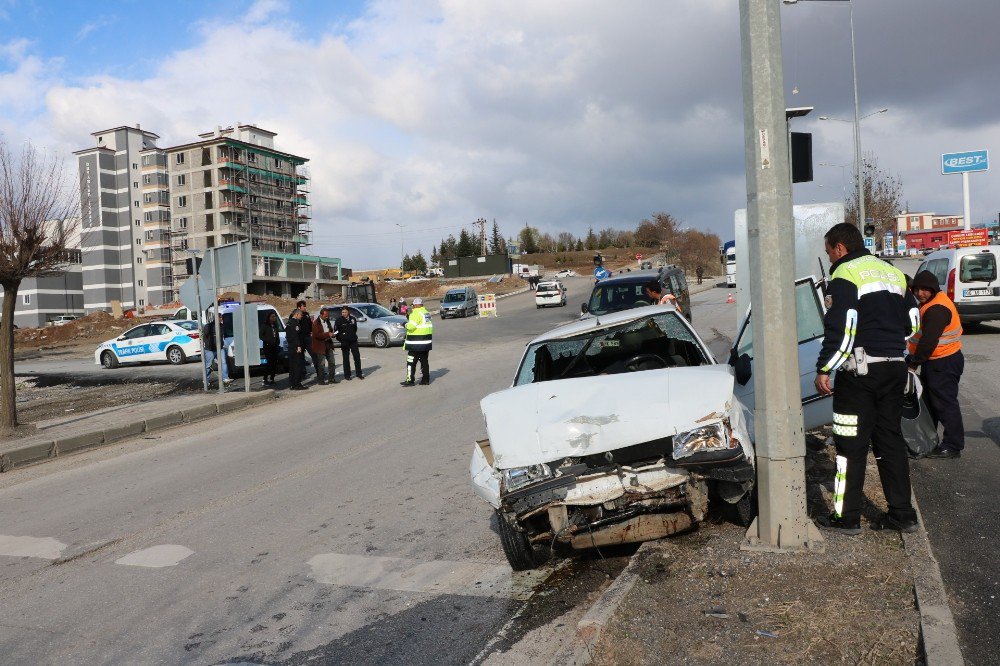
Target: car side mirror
<point>584,309</point>
<point>362,318</point>
<point>742,369</point>
<point>120,338</point>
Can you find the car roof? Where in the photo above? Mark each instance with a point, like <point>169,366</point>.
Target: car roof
<point>963,251</point>
<point>644,275</point>
<point>603,321</point>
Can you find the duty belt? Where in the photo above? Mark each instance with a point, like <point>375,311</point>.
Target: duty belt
<point>884,359</point>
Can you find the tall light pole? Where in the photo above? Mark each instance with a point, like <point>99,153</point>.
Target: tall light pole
<point>400,248</point>
<point>782,523</point>
<point>857,111</point>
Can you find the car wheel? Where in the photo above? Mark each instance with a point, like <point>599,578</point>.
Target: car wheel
<point>519,551</point>
<point>109,360</point>
<point>380,339</point>
<point>746,508</point>
<point>176,355</point>
<point>537,306</point>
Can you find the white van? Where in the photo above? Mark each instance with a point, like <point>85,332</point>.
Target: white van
<point>968,275</point>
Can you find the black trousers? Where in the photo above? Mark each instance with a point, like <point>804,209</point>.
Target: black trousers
<point>347,350</point>
<point>272,354</point>
<point>868,409</point>
<point>940,378</point>
<point>421,357</point>
<point>296,367</point>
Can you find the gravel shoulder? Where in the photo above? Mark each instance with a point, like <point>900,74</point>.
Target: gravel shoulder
<point>700,600</point>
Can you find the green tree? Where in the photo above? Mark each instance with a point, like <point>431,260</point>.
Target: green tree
<point>528,238</point>
<point>418,263</point>
<point>435,256</point>
<point>497,244</point>
<point>590,242</point>
<point>467,247</point>
<point>883,197</point>
<point>407,263</point>
<point>579,244</point>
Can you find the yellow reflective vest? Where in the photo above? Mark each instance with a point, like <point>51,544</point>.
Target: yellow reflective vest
<point>419,330</point>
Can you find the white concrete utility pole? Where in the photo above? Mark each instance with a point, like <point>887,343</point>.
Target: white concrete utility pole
<point>782,523</point>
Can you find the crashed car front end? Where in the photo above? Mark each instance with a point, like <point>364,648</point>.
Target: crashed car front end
<point>612,459</point>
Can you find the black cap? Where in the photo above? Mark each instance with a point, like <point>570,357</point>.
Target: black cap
<point>926,280</point>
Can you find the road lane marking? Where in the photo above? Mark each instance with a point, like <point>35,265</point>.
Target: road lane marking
<point>437,577</point>
<point>156,557</point>
<point>44,548</point>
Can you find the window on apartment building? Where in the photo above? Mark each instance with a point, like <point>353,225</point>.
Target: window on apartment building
<point>148,217</point>
<point>254,219</point>
<point>135,183</point>
<point>278,203</point>
<point>136,203</point>
<point>277,163</point>
<point>138,241</point>
<point>182,223</point>
<point>26,299</point>
<point>140,284</point>
<point>149,235</point>
<point>183,244</point>
<point>147,179</point>
<point>208,178</point>
<point>253,198</point>
<point>206,156</point>
<point>182,179</point>
<point>134,165</point>
<point>251,157</point>
<point>179,158</point>
<point>138,260</point>
<point>281,245</point>
<point>208,200</point>
<point>142,301</point>
<point>182,201</point>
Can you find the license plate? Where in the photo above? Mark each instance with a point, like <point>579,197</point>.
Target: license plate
<point>977,292</point>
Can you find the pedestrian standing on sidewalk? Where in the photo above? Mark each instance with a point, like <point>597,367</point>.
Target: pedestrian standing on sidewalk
<point>270,336</point>
<point>936,350</point>
<point>393,307</point>
<point>700,272</point>
<point>322,348</point>
<point>209,351</point>
<point>305,336</point>
<point>869,315</point>
<point>296,351</point>
<point>346,328</point>
<point>419,332</point>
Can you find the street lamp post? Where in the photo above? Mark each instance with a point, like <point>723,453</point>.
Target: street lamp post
<point>400,248</point>
<point>857,111</point>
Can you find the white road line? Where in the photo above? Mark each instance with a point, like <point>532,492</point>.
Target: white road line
<point>156,557</point>
<point>44,548</point>
<point>438,577</point>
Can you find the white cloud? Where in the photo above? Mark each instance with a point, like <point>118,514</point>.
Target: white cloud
<point>561,114</point>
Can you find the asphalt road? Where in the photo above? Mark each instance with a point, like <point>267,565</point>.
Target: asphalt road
<point>338,526</point>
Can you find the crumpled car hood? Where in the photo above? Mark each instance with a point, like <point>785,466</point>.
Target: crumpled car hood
<point>547,421</point>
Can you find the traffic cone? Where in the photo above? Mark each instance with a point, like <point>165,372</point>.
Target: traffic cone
<point>730,299</point>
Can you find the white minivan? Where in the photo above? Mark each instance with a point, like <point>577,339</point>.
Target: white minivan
<point>968,275</point>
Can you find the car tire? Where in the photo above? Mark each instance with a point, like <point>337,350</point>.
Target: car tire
<point>746,508</point>
<point>176,356</point>
<point>521,555</point>
<point>380,339</point>
<point>109,360</point>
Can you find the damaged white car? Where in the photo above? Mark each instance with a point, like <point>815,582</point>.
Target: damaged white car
<point>616,430</point>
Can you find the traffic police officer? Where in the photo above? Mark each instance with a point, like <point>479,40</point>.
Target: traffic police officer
<point>937,350</point>
<point>870,313</point>
<point>419,331</point>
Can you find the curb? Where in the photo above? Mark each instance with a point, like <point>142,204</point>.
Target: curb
<point>38,452</point>
<point>595,620</point>
<point>938,632</point>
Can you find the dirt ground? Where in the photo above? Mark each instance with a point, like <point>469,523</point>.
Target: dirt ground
<point>44,398</point>
<point>700,600</point>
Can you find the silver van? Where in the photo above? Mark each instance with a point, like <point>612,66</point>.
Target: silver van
<point>460,302</point>
<point>968,275</point>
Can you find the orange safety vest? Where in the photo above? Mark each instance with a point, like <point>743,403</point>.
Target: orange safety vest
<point>951,338</point>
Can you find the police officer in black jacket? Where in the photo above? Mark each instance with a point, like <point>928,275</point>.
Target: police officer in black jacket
<point>305,334</point>
<point>296,350</point>
<point>347,335</point>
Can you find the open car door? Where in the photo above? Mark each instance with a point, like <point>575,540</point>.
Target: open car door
<point>817,410</point>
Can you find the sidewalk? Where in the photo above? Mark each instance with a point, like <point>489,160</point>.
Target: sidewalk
<point>56,437</point>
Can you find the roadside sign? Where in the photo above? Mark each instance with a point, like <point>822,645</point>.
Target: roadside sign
<point>964,162</point>
<point>190,297</point>
<point>869,242</point>
<point>970,238</point>
<point>487,305</point>
<point>901,246</point>
<point>601,272</point>
<point>233,261</point>
<point>245,319</point>
<point>887,242</point>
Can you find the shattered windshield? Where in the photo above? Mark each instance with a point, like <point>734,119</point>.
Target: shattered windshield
<point>657,341</point>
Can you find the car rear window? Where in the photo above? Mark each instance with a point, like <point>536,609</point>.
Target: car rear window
<point>980,267</point>
<point>187,325</point>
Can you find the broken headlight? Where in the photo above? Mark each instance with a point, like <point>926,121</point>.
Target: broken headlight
<point>518,477</point>
<point>712,437</point>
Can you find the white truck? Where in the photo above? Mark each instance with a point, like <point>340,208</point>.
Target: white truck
<point>526,270</point>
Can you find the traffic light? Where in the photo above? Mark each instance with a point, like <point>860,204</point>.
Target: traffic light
<point>869,229</point>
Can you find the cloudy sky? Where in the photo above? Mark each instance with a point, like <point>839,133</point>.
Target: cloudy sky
<point>561,114</point>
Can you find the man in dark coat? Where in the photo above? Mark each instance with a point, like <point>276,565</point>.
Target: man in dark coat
<point>305,335</point>
<point>347,335</point>
<point>296,351</point>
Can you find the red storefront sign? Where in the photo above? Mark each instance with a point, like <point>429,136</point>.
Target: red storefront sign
<point>970,238</point>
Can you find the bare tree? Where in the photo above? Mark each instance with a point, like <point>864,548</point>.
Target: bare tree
<point>35,206</point>
<point>883,197</point>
